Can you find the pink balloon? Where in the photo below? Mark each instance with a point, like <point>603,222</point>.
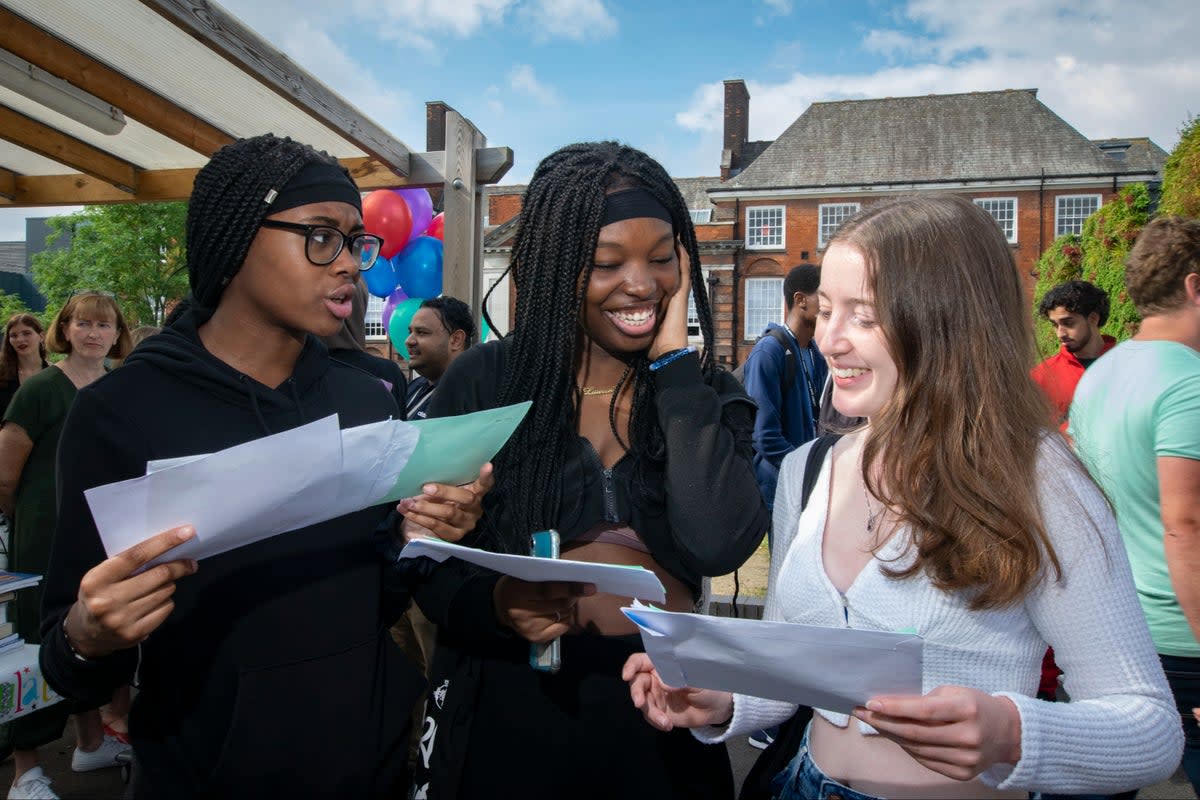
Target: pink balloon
<point>389,305</point>
<point>420,206</point>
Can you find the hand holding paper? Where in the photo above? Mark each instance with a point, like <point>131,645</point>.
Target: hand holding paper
<point>666,707</point>
<point>445,511</point>
<point>118,604</point>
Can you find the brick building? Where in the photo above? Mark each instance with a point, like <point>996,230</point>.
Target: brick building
<point>777,203</point>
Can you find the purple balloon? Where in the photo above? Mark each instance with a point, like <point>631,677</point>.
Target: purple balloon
<point>421,206</point>
<point>389,305</point>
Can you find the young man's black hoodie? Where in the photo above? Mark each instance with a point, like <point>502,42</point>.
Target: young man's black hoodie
<point>275,675</point>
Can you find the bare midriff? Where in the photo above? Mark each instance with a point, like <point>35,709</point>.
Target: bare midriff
<point>872,764</point>
<point>601,613</point>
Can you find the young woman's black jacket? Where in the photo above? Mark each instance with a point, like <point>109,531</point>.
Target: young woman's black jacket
<point>699,512</point>
<point>275,675</point>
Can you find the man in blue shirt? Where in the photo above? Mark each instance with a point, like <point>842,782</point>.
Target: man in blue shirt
<point>785,373</point>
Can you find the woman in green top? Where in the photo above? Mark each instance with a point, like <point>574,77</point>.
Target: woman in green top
<point>88,329</point>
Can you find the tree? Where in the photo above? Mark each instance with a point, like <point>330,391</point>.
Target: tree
<point>1181,174</point>
<point>11,304</point>
<point>1097,256</point>
<point>134,250</point>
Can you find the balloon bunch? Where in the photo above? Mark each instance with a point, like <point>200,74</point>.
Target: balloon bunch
<point>409,268</point>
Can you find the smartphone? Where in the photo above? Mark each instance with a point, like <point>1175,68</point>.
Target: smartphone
<point>545,657</point>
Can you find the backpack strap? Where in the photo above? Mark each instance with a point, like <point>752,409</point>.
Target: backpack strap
<point>787,378</point>
<point>812,465</point>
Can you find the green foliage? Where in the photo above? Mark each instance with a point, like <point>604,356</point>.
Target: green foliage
<point>1061,262</point>
<point>135,251</point>
<point>12,304</point>
<point>1098,257</point>
<point>1181,175</point>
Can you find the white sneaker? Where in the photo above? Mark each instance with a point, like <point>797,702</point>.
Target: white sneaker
<point>33,784</point>
<point>103,756</point>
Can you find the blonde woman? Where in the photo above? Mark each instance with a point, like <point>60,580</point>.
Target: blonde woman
<point>88,329</point>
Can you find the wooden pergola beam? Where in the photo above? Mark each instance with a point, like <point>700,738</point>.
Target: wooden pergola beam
<point>244,48</point>
<point>157,186</point>
<point>8,186</point>
<point>40,138</point>
<point>43,49</point>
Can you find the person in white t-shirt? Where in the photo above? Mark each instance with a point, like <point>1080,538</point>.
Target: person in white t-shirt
<point>958,513</point>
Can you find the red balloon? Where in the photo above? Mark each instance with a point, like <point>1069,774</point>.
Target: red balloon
<point>386,214</point>
<point>436,226</point>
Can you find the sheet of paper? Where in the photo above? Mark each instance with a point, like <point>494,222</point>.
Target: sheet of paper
<point>452,449</point>
<point>831,668</point>
<point>618,579</point>
<point>234,497</point>
<point>373,456</point>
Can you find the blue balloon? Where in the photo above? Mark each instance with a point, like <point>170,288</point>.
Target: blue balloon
<point>381,279</point>
<point>419,267</point>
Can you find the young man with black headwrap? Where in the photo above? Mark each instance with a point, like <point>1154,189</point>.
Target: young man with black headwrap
<point>266,670</point>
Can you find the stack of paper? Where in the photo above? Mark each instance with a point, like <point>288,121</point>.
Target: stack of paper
<point>240,495</point>
<point>831,668</point>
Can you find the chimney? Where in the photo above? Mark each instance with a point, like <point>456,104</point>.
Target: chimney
<point>737,127</point>
<point>435,125</point>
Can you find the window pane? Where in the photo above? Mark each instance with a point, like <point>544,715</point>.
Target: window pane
<point>1072,210</point>
<point>374,323</point>
<point>832,217</point>
<point>764,226</point>
<point>764,304</point>
<point>1004,211</point>
<point>700,214</point>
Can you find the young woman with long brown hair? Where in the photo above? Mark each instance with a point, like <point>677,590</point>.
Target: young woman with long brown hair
<point>22,356</point>
<point>957,513</point>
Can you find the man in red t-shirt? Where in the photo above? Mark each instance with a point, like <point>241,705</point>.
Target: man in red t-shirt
<point>1076,309</point>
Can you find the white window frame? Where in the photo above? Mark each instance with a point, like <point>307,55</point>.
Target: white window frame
<point>756,242</point>
<point>774,287</point>
<point>700,215</point>
<point>693,318</point>
<point>1058,212</point>
<point>825,229</point>
<point>1010,230</point>
<point>373,323</point>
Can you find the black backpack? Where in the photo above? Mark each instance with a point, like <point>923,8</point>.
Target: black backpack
<point>787,378</point>
<point>779,753</point>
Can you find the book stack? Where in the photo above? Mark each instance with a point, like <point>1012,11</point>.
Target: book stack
<point>10,583</point>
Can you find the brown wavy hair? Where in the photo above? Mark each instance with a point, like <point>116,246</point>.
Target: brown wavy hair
<point>9,362</point>
<point>955,450</point>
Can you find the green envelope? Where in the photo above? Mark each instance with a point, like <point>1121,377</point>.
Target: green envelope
<point>452,449</point>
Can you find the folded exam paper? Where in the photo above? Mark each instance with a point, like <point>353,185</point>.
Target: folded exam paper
<point>618,579</point>
<point>831,668</point>
<point>232,499</point>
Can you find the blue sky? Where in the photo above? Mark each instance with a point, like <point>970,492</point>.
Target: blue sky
<point>536,74</point>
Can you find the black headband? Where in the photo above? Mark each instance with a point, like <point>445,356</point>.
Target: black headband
<point>316,182</point>
<point>631,204</point>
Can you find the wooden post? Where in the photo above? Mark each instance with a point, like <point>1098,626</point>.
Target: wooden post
<point>462,270</point>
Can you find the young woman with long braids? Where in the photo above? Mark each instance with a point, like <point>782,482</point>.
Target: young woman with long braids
<point>22,356</point>
<point>956,512</point>
<point>636,450</point>
<point>268,670</point>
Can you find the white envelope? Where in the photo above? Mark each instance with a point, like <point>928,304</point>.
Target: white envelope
<point>831,668</point>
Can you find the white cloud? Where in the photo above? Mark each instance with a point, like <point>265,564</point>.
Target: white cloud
<point>521,79</point>
<point>580,20</point>
<point>335,67</point>
<point>779,6</point>
<point>1105,72</point>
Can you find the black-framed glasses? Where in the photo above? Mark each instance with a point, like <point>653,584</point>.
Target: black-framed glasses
<point>324,243</point>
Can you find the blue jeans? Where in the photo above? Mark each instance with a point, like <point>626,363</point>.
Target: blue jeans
<point>1183,674</point>
<point>803,780</point>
